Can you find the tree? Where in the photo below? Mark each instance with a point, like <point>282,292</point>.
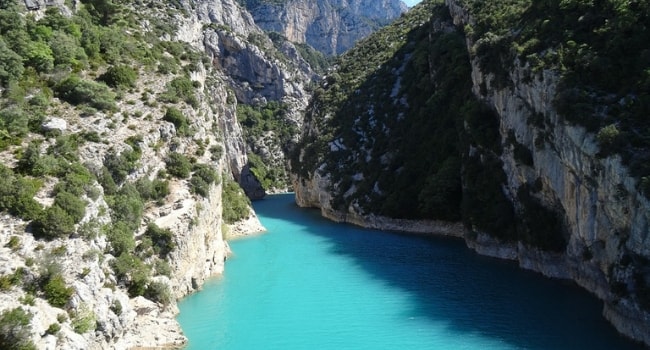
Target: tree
<point>55,222</point>
<point>119,76</point>
<point>11,64</point>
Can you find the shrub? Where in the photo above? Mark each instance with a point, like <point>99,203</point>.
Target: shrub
<point>176,117</point>
<point>116,307</point>
<point>17,194</point>
<point>119,76</point>
<point>121,165</point>
<point>131,271</point>
<point>83,320</point>
<point>162,268</point>
<point>57,292</point>
<point>180,88</point>
<point>178,165</point>
<point>11,64</point>
<point>15,330</point>
<point>14,243</point>
<point>159,292</point>
<point>53,329</point>
<point>120,236</point>
<point>77,91</point>
<point>204,175</point>
<point>162,239</point>
<point>152,190</point>
<point>235,203</point>
<point>127,206</point>
<point>55,222</point>
<point>71,204</point>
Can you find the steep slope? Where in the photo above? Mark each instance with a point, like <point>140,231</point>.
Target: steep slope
<point>499,116</point>
<point>330,26</point>
<point>121,153</point>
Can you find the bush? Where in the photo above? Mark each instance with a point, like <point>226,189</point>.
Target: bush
<point>176,117</point>
<point>57,292</point>
<point>127,206</point>
<point>204,175</point>
<point>76,91</point>
<point>180,88</point>
<point>120,236</point>
<point>14,243</point>
<point>235,203</point>
<point>83,320</point>
<point>152,190</point>
<point>54,223</point>
<point>71,204</point>
<point>119,76</point>
<point>178,165</point>
<point>159,292</point>
<point>121,165</point>
<point>11,64</point>
<point>162,239</point>
<point>53,329</point>
<point>131,271</point>
<point>17,195</point>
<point>15,330</point>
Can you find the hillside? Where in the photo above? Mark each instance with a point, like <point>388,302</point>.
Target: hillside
<point>522,120</point>
<point>123,165</point>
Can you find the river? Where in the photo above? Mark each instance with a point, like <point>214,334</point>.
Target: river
<point>313,284</point>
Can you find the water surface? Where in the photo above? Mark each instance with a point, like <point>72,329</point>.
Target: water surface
<point>313,284</point>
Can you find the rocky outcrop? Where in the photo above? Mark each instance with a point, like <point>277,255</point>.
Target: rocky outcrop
<point>606,216</point>
<point>330,26</point>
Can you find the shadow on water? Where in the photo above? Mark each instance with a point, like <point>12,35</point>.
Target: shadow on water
<point>473,294</point>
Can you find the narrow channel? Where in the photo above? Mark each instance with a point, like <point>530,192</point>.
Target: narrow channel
<point>313,284</point>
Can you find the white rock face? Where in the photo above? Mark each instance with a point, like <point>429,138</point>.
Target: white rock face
<point>330,26</point>
<point>605,214</point>
<point>55,124</point>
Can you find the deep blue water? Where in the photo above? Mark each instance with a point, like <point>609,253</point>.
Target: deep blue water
<point>313,284</point>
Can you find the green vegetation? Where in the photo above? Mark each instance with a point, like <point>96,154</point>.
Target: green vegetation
<point>235,203</point>
<point>600,50</point>
<point>15,330</point>
<point>83,320</point>
<point>204,175</point>
<point>76,91</point>
<point>57,292</point>
<point>418,144</point>
<point>162,239</point>
<point>176,117</point>
<point>269,122</point>
<point>119,76</point>
<point>178,165</point>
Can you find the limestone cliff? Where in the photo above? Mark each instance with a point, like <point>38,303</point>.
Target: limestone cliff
<point>529,184</point>
<point>182,107</point>
<point>330,26</point>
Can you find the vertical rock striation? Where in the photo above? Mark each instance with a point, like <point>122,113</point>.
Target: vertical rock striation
<point>330,26</point>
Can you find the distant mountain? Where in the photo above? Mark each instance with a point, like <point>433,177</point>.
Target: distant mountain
<point>330,26</point>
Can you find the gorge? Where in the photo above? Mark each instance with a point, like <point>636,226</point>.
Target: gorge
<point>130,132</point>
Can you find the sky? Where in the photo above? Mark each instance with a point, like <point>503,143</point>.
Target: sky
<point>411,3</point>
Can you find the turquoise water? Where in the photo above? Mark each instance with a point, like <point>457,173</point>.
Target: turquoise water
<point>313,284</point>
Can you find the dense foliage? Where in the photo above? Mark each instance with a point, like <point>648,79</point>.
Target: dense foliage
<point>601,50</point>
<point>401,134</point>
<point>267,122</point>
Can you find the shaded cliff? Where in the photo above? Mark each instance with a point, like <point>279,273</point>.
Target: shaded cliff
<point>495,116</point>
<point>330,26</point>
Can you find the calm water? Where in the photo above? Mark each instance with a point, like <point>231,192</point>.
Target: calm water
<point>313,284</point>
